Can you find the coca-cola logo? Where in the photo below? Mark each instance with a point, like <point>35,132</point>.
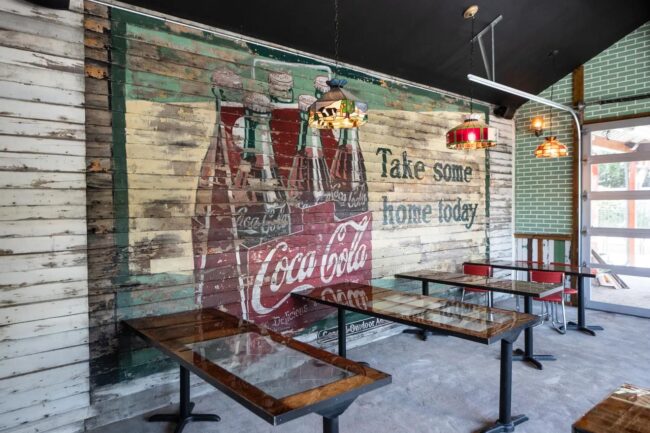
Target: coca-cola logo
<point>354,199</point>
<point>356,298</point>
<point>267,222</point>
<point>335,264</point>
<point>283,271</point>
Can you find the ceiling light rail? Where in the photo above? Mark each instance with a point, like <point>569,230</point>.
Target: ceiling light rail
<point>575,114</point>
<point>489,69</point>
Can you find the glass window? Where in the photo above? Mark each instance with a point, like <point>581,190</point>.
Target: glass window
<point>642,214</point>
<point>621,214</point>
<point>609,213</point>
<point>619,251</point>
<point>620,140</point>
<point>620,176</point>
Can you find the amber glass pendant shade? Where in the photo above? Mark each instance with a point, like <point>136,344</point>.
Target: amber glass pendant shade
<point>337,109</point>
<point>551,148</point>
<point>472,134</point>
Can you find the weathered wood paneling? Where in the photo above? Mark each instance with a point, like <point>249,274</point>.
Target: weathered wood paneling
<point>500,230</point>
<point>151,128</point>
<point>44,352</point>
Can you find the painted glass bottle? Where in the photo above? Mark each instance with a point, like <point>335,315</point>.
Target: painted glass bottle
<point>348,174</point>
<point>309,180</point>
<point>267,215</point>
<point>218,266</point>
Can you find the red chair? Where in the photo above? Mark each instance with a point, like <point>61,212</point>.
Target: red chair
<point>567,290</point>
<point>552,277</point>
<point>480,270</point>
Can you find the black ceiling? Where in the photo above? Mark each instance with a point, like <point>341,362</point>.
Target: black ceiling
<point>426,41</point>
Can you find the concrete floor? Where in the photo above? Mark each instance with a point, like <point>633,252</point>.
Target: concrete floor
<point>448,385</point>
<point>638,294</point>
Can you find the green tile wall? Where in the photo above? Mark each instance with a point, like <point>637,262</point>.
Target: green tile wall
<point>543,188</point>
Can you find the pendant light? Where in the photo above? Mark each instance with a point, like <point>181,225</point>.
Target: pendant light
<point>473,133</point>
<point>338,108</point>
<point>551,147</point>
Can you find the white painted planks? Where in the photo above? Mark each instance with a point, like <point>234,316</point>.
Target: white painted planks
<point>43,271</point>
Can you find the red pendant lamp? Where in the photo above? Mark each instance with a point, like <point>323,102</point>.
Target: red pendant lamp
<point>473,133</point>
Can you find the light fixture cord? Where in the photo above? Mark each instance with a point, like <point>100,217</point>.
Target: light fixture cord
<point>336,37</point>
<point>550,109</point>
<point>471,67</point>
<point>217,93</point>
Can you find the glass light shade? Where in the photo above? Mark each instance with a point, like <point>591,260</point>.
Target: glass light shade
<point>337,109</point>
<point>537,125</point>
<point>551,148</point>
<point>472,134</point>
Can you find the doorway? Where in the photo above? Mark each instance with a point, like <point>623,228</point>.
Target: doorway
<point>616,179</point>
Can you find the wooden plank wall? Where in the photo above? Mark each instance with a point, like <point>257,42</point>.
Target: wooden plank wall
<point>545,248</point>
<point>102,251</point>
<point>142,197</point>
<point>500,229</point>
<point>44,381</point>
<point>168,83</point>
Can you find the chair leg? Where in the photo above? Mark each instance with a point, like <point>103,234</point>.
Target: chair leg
<point>547,312</point>
<point>462,296</point>
<point>557,325</point>
<point>517,303</point>
<point>553,314</point>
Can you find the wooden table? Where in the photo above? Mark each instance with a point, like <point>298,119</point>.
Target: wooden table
<point>467,321</point>
<point>626,410</point>
<point>528,290</point>
<point>275,377</point>
<point>581,272</point>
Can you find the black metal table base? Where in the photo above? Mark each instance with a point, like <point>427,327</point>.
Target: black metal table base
<point>506,422</point>
<point>423,334</point>
<point>181,423</point>
<point>581,325</point>
<point>520,355</point>
<point>498,427</point>
<point>185,415</point>
<point>331,417</point>
<point>528,355</point>
<point>589,329</point>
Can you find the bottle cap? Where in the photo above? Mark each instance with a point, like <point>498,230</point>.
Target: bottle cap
<point>226,78</point>
<point>281,81</point>
<point>305,101</point>
<point>257,102</point>
<point>320,83</point>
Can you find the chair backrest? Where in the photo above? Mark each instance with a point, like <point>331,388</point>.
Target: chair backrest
<point>481,270</point>
<point>547,277</point>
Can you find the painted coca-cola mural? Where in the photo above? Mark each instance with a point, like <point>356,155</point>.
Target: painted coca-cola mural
<point>223,196</point>
<point>264,229</point>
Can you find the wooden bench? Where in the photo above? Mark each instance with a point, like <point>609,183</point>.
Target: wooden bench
<point>276,377</point>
